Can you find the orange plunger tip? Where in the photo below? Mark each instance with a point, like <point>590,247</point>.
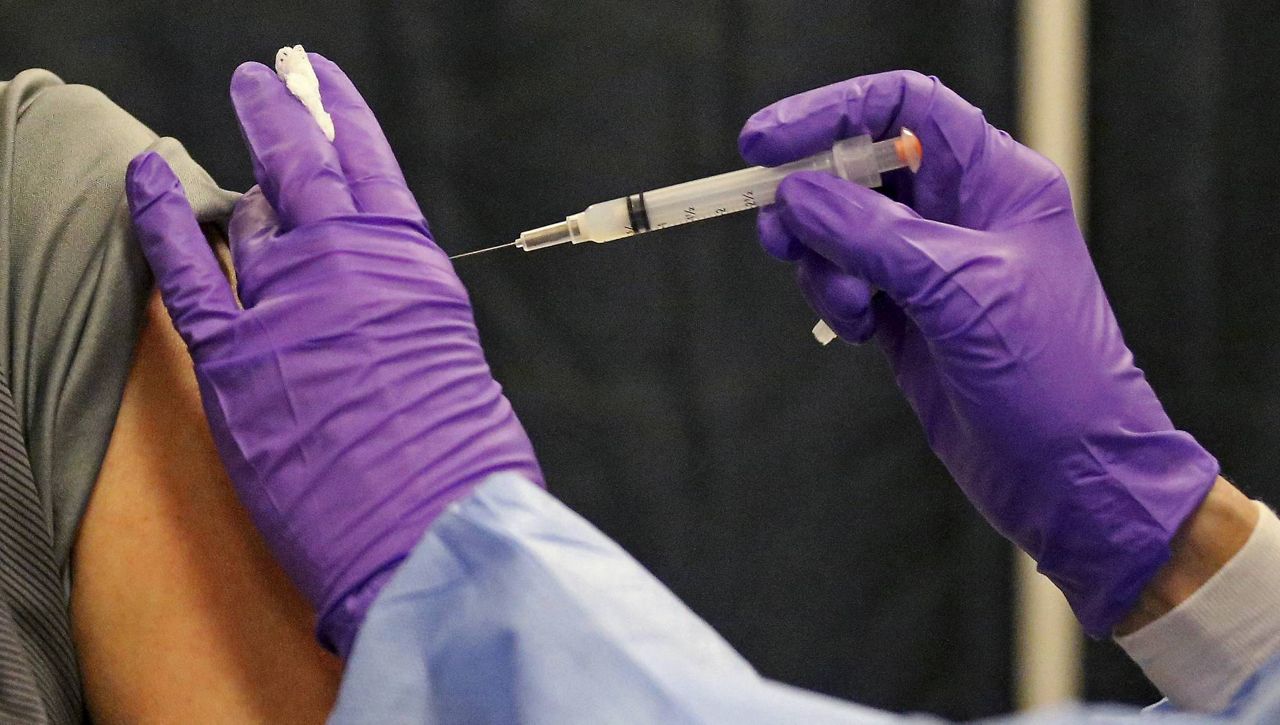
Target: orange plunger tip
<point>908,149</point>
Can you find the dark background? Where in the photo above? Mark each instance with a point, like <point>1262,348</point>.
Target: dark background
<point>670,384</point>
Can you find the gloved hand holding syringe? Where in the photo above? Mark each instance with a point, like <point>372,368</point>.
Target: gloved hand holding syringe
<point>856,159</point>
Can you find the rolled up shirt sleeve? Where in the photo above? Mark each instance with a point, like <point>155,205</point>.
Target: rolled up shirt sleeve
<point>74,280</point>
<point>73,288</point>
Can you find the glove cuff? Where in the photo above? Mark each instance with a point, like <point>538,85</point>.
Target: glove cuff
<point>1103,556</point>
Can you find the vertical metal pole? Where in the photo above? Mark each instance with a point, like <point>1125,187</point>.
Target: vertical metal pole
<point>1052,46</point>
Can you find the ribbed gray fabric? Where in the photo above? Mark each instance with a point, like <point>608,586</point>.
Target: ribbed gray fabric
<point>73,285</point>
<point>39,682</point>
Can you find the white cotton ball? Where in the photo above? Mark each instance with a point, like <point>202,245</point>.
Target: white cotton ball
<point>294,68</point>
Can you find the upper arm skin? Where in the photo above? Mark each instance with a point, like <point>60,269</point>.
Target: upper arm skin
<point>179,613</point>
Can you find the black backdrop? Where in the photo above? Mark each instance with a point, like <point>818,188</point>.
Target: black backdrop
<point>669,383</point>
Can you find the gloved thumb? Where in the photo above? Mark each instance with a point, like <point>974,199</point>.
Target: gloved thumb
<point>196,293</point>
<point>864,233</point>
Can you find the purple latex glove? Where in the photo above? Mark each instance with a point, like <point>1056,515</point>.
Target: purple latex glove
<point>349,398</point>
<point>996,326</point>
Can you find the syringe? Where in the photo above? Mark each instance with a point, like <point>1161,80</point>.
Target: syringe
<point>856,159</point>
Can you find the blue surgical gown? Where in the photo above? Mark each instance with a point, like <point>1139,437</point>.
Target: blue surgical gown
<point>515,609</point>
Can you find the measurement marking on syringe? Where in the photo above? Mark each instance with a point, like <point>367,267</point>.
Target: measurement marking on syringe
<point>858,159</point>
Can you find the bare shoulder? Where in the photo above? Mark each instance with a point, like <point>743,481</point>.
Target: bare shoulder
<point>179,612</point>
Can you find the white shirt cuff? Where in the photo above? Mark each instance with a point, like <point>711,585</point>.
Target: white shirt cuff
<point>1201,652</point>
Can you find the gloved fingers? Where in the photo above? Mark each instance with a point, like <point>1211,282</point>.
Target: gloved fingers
<point>252,218</point>
<point>252,228</point>
<point>196,293</point>
<point>296,166</point>
<point>775,238</point>
<point>859,231</point>
<point>840,299</point>
<point>373,175</point>
<point>952,132</point>
<point>915,370</point>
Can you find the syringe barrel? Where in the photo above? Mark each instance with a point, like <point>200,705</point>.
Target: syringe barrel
<point>723,194</point>
<point>857,159</point>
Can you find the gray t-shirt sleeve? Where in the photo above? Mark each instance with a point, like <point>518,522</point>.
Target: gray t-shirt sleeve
<point>73,282</point>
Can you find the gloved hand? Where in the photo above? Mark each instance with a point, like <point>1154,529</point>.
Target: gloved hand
<point>349,398</point>
<point>978,285</point>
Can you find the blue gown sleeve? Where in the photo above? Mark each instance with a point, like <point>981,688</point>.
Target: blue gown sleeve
<point>514,609</point>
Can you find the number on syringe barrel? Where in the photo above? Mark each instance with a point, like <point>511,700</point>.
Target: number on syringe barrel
<point>693,214</point>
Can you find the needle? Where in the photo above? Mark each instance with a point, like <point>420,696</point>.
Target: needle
<point>482,251</point>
